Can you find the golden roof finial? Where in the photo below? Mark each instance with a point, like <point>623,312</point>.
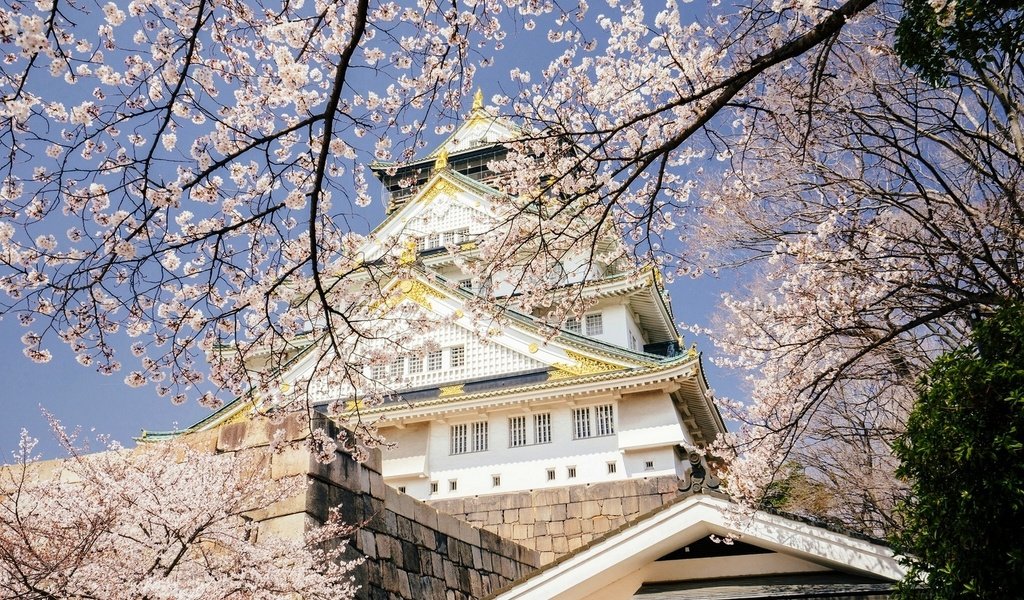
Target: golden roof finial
<point>442,160</point>
<point>478,100</point>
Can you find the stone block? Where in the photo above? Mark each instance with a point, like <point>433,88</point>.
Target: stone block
<point>231,437</point>
<point>574,543</point>
<point>560,545</point>
<point>493,517</point>
<point>526,516</point>
<point>366,542</point>
<point>544,544</point>
<point>572,526</point>
<point>558,512</point>
<point>612,507</point>
<point>546,557</point>
<point>600,524</point>
<point>289,462</point>
<point>630,505</point>
<point>424,514</point>
<point>449,526</point>
<point>377,486</point>
<point>590,509</point>
<point>203,441</point>
<point>383,543</point>
<point>469,534</point>
<point>451,575</point>
<point>573,510</point>
<point>405,528</point>
<point>286,527</point>
<point>649,503</point>
<point>294,504</point>
<point>556,527</point>
<point>540,529</point>
<point>410,555</point>
<point>522,532</point>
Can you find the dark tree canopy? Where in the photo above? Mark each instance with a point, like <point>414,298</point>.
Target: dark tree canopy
<point>963,453</point>
<point>933,33</point>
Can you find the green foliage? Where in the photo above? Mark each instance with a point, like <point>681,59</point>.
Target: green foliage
<point>931,33</point>
<point>963,454</point>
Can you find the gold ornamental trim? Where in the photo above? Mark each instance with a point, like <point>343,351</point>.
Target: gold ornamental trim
<point>451,390</point>
<point>582,365</point>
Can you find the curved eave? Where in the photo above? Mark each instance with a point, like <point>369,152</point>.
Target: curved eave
<point>687,367</point>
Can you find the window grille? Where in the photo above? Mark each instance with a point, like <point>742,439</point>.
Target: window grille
<point>551,474</point>
<point>581,423</point>
<point>517,431</point>
<point>605,419</point>
<point>397,367</point>
<point>612,467</point>
<point>401,489</point>
<point>572,324</point>
<point>595,324</point>
<point>459,438</point>
<point>415,364</point>
<point>649,465</point>
<point>377,372</point>
<point>453,485</point>
<point>571,472</point>
<point>434,360</point>
<point>433,487</point>
<point>495,480</point>
<point>458,356</point>
<point>479,436</point>
<point>542,428</point>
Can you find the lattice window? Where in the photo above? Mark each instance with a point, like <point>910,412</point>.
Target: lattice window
<point>415,364</point>
<point>377,372</point>
<point>542,428</point>
<point>581,423</point>
<point>460,438</point>
<point>458,356</point>
<point>605,419</point>
<point>479,436</point>
<point>595,324</point>
<point>517,431</point>
<point>397,367</point>
<point>572,324</point>
<point>434,360</point>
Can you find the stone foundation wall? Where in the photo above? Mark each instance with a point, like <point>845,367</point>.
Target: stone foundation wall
<point>555,521</point>
<point>411,550</point>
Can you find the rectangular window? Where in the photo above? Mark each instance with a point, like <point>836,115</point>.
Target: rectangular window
<point>632,343</point>
<point>460,438</point>
<point>571,472</point>
<point>377,372</point>
<point>595,324</point>
<point>572,324</point>
<point>421,245</point>
<point>605,419</point>
<point>458,356</point>
<point>517,431</point>
<point>612,467</point>
<point>449,238</point>
<point>649,465</point>
<point>542,428</point>
<point>479,436</point>
<point>495,480</point>
<point>551,474</point>
<point>401,489</point>
<point>434,360</point>
<point>433,241</point>
<point>433,487</point>
<point>466,284</point>
<point>397,367</point>
<point>453,485</point>
<point>581,423</point>
<point>415,364</point>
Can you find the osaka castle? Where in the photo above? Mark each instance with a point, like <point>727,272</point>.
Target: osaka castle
<point>611,395</point>
<point>568,448</point>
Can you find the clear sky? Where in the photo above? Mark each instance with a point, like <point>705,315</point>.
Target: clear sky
<point>79,396</point>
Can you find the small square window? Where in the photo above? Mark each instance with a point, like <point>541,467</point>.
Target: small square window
<point>453,485</point>
<point>551,474</point>
<point>401,489</point>
<point>458,356</point>
<point>433,487</point>
<point>572,324</point>
<point>649,465</point>
<point>571,472</point>
<point>595,324</point>
<point>612,467</point>
<point>496,480</point>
